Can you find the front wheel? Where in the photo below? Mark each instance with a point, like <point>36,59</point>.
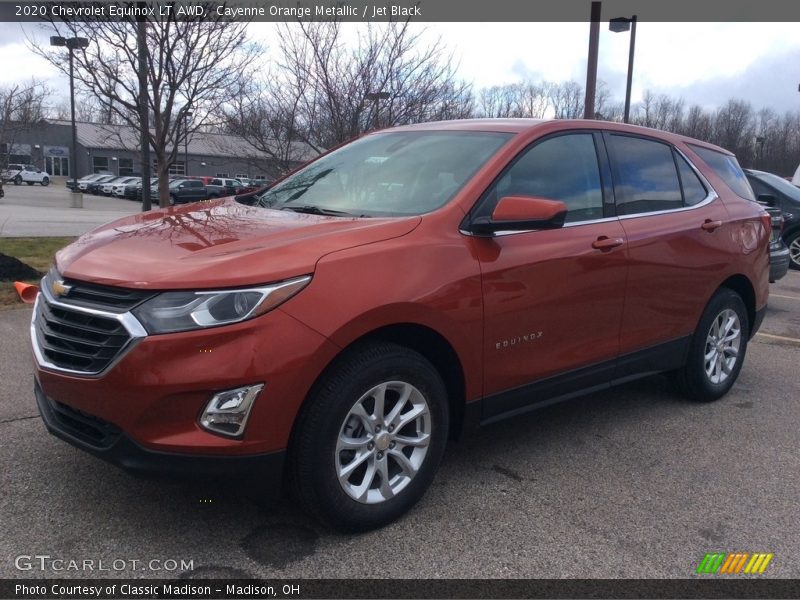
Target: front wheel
<point>18,180</point>
<point>717,349</point>
<point>46,181</point>
<point>793,242</point>
<point>370,439</point>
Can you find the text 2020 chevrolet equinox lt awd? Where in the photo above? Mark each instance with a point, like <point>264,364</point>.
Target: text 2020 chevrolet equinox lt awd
<point>337,328</point>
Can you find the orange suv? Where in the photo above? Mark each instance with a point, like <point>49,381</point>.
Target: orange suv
<point>336,329</point>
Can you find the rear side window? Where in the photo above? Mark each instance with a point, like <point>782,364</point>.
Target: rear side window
<point>645,178</point>
<point>694,191</point>
<point>727,168</point>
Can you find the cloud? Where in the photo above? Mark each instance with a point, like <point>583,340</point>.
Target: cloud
<point>11,33</point>
<point>770,82</point>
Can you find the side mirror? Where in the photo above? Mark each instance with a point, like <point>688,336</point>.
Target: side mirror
<point>521,213</point>
<point>767,200</point>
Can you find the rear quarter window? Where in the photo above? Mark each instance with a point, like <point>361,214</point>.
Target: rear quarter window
<point>726,168</point>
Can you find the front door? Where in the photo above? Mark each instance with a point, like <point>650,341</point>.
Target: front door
<point>553,299</point>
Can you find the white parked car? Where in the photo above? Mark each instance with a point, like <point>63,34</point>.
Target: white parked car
<point>117,188</point>
<point>29,174</point>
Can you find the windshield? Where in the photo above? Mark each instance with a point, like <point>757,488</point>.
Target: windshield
<point>386,174</point>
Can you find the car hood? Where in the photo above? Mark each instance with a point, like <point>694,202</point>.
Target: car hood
<point>215,245</point>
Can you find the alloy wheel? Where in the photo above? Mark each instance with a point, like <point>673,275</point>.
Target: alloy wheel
<point>722,346</point>
<point>794,251</point>
<point>383,442</point>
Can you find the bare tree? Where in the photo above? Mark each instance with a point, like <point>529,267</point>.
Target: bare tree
<point>21,106</point>
<point>192,64</point>
<point>323,92</point>
<point>566,99</point>
<point>734,129</point>
<point>698,124</point>
<point>498,101</point>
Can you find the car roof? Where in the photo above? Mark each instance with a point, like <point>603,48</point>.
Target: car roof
<point>529,125</point>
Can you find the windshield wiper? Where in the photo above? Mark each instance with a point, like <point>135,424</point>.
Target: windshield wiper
<point>310,209</point>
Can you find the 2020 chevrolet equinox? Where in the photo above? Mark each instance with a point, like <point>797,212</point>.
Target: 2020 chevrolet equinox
<point>336,329</point>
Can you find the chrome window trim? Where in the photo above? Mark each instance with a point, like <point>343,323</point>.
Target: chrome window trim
<point>712,195</point>
<point>131,324</point>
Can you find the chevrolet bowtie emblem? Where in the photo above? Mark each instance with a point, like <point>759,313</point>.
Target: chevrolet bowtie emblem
<point>59,288</point>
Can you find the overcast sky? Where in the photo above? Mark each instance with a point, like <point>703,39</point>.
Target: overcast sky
<point>705,63</point>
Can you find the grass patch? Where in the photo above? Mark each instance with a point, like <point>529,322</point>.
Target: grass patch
<point>36,252</point>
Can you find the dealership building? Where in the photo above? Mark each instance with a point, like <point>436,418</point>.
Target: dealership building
<point>113,149</point>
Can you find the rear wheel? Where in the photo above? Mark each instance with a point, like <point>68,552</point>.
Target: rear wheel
<point>717,349</point>
<point>793,242</point>
<point>370,439</point>
<point>18,180</point>
<point>173,200</point>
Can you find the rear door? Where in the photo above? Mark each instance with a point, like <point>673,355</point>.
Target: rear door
<point>552,298</point>
<point>675,226</point>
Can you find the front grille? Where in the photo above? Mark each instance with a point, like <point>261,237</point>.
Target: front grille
<point>85,427</point>
<point>78,341</point>
<point>98,297</point>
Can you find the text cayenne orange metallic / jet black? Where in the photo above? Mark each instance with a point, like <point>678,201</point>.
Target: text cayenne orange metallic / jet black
<point>337,328</point>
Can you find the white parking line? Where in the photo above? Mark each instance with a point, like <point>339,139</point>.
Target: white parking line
<point>787,297</point>
<point>779,337</point>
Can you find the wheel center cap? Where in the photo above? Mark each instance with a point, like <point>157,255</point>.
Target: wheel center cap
<point>382,441</point>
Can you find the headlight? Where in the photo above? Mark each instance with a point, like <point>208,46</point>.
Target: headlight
<point>182,311</point>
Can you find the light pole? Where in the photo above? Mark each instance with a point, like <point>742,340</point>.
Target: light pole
<point>375,97</point>
<point>624,24</point>
<point>72,44</point>
<point>186,116</point>
<point>591,61</point>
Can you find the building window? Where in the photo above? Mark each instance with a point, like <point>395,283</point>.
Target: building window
<point>221,175</point>
<point>99,163</point>
<point>260,177</point>
<point>240,175</point>
<point>126,166</point>
<point>176,168</point>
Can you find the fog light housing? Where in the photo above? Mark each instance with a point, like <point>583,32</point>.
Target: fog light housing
<point>227,412</point>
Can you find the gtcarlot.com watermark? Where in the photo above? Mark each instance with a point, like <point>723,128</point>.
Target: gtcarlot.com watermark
<point>46,562</point>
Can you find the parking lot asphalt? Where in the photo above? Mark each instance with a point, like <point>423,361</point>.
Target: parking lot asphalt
<point>635,482</point>
<point>36,211</point>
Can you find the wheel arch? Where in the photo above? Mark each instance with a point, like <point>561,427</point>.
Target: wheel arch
<point>741,285</point>
<point>424,340</point>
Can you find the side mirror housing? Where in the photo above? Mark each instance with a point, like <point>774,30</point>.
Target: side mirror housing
<point>521,213</point>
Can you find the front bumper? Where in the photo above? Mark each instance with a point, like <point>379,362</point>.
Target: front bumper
<point>106,441</point>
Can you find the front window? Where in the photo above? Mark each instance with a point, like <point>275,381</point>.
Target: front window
<point>387,174</point>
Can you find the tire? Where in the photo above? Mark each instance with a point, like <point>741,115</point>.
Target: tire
<point>45,182</point>
<point>710,373</point>
<point>172,200</point>
<point>793,243</point>
<point>323,444</point>
<point>18,180</point>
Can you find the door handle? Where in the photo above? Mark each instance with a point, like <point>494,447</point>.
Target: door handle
<point>606,243</point>
<point>709,225</point>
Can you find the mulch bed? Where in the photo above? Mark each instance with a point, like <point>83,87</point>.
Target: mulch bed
<point>12,269</point>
